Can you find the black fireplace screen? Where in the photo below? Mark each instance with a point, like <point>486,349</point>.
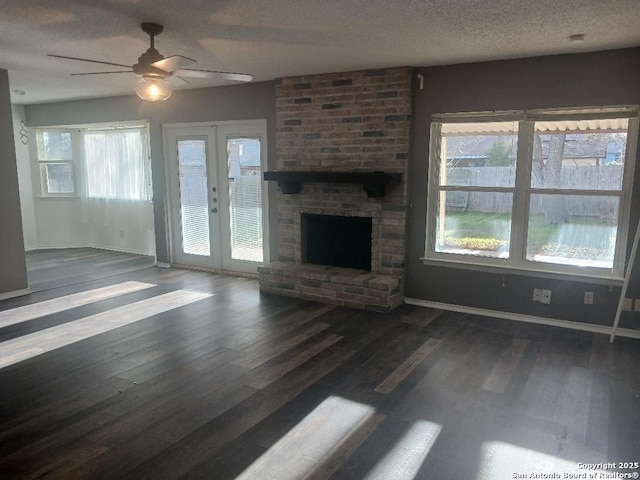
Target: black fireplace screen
<point>337,241</point>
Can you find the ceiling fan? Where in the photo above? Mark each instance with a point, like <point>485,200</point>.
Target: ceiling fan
<point>155,69</point>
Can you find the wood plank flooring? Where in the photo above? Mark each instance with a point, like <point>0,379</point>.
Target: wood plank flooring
<point>54,268</point>
<point>235,384</point>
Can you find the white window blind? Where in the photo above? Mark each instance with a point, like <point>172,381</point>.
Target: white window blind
<point>245,198</point>
<point>194,201</point>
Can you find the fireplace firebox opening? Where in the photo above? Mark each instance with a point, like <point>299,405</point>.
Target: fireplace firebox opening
<point>339,241</point>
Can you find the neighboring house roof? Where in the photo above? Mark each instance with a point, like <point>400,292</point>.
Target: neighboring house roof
<point>583,146</point>
<point>475,147</point>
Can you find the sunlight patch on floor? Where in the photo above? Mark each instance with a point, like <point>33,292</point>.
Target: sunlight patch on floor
<point>405,458</point>
<point>37,343</point>
<point>313,442</point>
<point>503,460</point>
<point>49,307</point>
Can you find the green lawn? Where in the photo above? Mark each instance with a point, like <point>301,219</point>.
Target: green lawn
<point>580,237</point>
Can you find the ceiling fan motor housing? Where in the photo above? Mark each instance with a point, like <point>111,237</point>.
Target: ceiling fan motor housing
<point>144,68</point>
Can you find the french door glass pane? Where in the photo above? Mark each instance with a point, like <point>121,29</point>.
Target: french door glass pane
<point>474,223</point>
<point>194,202</point>
<point>573,229</point>
<point>245,198</point>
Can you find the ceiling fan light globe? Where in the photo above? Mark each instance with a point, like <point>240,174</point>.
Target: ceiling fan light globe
<point>153,89</point>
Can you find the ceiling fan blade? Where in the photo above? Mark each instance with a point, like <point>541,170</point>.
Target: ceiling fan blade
<point>174,62</point>
<point>177,81</point>
<point>193,72</point>
<point>100,73</point>
<point>89,60</point>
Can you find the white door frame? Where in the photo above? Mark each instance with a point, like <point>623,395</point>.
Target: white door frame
<point>216,133</point>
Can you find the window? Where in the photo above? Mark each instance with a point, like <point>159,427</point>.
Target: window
<point>117,164</point>
<point>537,190</point>
<point>112,161</point>
<point>55,159</point>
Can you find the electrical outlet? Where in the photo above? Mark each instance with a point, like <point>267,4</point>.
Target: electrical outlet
<point>588,298</point>
<point>627,305</point>
<point>545,296</point>
<point>636,308</point>
<point>536,294</point>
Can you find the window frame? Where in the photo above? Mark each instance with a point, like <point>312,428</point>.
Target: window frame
<point>42,164</point>
<point>523,190</point>
<point>78,162</point>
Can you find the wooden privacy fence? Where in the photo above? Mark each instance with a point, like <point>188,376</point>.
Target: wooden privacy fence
<point>606,177</point>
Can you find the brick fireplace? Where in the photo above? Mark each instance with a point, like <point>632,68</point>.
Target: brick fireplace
<point>356,122</point>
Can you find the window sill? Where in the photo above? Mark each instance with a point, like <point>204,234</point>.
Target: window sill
<point>58,197</point>
<point>587,277</point>
<point>114,200</point>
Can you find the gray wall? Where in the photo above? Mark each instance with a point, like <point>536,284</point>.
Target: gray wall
<point>600,78</point>
<point>235,102</point>
<point>25,186</point>
<point>13,270</point>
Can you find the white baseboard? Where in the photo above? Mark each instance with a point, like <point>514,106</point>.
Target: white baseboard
<point>231,273</point>
<point>520,317</point>
<point>121,250</point>
<point>15,293</point>
<point>163,264</point>
<point>59,246</point>
<point>99,247</point>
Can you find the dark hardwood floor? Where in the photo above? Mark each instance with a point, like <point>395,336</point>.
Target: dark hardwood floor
<point>194,375</point>
<point>53,268</point>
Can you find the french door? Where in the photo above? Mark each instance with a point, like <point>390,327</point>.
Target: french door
<point>217,198</point>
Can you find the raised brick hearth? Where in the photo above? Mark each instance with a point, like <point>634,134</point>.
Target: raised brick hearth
<point>344,122</point>
<point>342,286</point>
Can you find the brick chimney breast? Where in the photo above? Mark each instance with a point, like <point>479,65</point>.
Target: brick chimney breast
<point>343,122</point>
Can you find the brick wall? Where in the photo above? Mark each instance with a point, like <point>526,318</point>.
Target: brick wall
<point>343,122</point>
<point>354,121</point>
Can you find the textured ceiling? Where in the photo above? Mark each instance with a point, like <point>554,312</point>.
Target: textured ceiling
<point>278,38</point>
